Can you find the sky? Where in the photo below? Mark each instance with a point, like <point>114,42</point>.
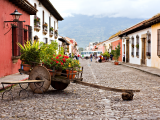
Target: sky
<point>110,8</point>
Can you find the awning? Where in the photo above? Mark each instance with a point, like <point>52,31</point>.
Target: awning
<point>63,40</point>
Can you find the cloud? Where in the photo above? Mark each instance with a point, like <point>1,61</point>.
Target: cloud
<point>110,8</point>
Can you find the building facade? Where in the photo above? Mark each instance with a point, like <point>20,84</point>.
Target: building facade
<point>13,32</point>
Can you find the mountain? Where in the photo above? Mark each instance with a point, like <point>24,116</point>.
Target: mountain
<point>85,29</point>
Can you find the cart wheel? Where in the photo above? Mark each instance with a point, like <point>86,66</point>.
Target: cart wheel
<point>58,85</point>
<point>40,73</point>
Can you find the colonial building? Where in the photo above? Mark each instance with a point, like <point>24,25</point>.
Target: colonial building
<point>73,46</point>
<point>136,44</point>
<point>45,22</point>
<point>13,30</point>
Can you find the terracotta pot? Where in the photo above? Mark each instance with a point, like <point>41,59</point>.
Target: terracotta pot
<point>26,67</point>
<point>70,76</point>
<point>116,63</point>
<point>58,72</point>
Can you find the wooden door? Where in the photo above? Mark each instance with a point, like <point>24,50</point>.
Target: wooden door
<point>127,50</point>
<point>143,51</point>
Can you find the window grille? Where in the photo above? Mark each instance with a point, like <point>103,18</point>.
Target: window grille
<point>137,45</point>
<point>132,46</point>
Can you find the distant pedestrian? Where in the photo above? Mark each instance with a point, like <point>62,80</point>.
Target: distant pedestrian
<point>111,56</point>
<point>78,56</point>
<point>83,56</point>
<point>75,56</point>
<point>91,57</point>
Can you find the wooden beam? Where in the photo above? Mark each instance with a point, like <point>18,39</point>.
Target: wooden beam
<point>105,88</point>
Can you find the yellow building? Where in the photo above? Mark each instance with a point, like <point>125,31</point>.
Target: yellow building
<point>155,40</point>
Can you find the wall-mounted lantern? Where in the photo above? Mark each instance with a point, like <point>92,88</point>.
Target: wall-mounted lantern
<point>16,15</point>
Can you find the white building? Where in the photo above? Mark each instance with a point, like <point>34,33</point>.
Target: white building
<point>45,22</point>
<point>135,44</point>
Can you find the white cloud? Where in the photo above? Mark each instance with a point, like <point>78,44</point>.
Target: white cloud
<point>110,8</point>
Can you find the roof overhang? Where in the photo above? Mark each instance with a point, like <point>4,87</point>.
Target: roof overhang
<point>63,40</point>
<point>48,5</point>
<point>25,6</point>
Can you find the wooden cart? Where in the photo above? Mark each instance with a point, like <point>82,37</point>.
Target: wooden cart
<point>61,82</point>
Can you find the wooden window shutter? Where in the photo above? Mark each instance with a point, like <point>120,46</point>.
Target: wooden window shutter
<point>158,42</point>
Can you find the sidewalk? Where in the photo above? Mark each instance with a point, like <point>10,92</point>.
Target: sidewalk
<point>13,77</point>
<point>150,70</point>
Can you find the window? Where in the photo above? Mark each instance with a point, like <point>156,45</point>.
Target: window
<point>132,46</point>
<point>148,44</point>
<point>46,40</point>
<point>43,16</point>
<point>137,45</point>
<point>17,36</point>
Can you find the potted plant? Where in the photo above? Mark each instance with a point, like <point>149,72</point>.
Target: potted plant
<point>45,25</point>
<point>72,64</point>
<point>30,54</point>
<point>137,46</point>
<point>117,54</point>
<point>132,45</point>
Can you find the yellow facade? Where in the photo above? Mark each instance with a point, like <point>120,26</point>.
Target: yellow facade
<point>155,60</point>
<point>108,44</point>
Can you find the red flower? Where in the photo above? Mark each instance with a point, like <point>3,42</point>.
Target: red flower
<point>42,62</point>
<point>64,60</point>
<point>57,61</point>
<point>51,63</point>
<point>53,55</point>
<point>52,58</point>
<point>57,57</point>
<point>61,63</point>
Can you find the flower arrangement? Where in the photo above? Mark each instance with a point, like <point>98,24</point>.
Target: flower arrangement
<point>51,29</point>
<point>45,25</point>
<point>132,45</point>
<point>37,19</point>
<point>56,32</point>
<point>137,46</point>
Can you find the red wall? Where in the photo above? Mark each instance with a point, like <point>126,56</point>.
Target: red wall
<point>6,65</point>
<point>101,48</point>
<point>114,44</point>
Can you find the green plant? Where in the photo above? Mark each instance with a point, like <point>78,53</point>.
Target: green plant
<point>37,19</point>
<point>56,32</point>
<point>51,29</point>
<point>30,52</point>
<point>106,54</point>
<point>137,46</point>
<point>61,51</point>
<point>72,63</point>
<point>112,52</point>
<point>45,25</point>
<point>117,53</point>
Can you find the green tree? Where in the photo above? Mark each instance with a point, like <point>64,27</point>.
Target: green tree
<point>117,53</point>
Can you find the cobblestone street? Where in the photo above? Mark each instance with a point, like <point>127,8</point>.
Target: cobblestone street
<point>82,102</point>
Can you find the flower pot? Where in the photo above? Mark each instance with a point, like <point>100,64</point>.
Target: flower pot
<point>58,72</point>
<point>70,76</point>
<point>26,67</point>
<point>116,63</point>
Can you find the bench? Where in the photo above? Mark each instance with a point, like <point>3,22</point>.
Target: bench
<point>22,89</point>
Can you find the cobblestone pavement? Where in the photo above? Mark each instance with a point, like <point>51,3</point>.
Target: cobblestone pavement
<point>81,102</point>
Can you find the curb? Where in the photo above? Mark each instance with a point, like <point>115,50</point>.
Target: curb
<point>141,70</point>
<point>11,85</point>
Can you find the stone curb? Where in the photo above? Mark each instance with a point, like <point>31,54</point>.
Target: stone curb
<point>141,70</point>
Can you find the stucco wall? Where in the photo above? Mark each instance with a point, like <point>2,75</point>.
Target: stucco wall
<point>134,59</point>
<point>40,34</point>
<point>155,59</point>
<point>7,67</point>
<point>115,44</point>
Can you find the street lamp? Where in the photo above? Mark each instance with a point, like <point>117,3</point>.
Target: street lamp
<point>16,15</point>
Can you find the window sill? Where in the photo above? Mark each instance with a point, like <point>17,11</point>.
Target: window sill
<point>137,56</point>
<point>15,59</point>
<point>44,32</point>
<point>132,55</point>
<point>37,29</point>
<point>51,35</point>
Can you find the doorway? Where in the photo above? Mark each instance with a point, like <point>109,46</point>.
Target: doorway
<point>127,50</point>
<point>143,51</point>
